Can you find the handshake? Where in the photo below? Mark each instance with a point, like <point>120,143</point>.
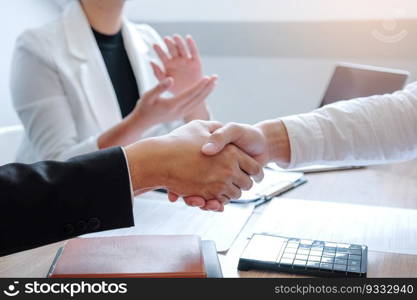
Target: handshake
<point>206,163</point>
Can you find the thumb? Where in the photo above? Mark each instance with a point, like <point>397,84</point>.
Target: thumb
<point>220,138</point>
<point>212,147</point>
<point>162,87</point>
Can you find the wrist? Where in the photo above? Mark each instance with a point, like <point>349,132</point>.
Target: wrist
<point>146,165</point>
<point>278,143</point>
<point>201,112</point>
<point>139,121</point>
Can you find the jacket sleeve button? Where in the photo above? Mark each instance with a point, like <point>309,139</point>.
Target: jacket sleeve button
<point>81,226</point>
<point>94,224</point>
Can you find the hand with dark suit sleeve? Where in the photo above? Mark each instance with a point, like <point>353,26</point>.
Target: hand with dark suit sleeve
<point>48,202</point>
<point>52,201</point>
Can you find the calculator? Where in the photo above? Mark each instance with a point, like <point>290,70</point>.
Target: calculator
<point>304,257</point>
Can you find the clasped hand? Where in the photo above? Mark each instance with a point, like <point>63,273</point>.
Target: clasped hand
<point>249,139</point>
<point>175,162</point>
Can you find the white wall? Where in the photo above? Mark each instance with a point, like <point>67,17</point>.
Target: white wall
<point>269,10</point>
<point>252,87</point>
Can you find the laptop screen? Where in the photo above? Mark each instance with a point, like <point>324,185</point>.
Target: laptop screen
<point>354,81</point>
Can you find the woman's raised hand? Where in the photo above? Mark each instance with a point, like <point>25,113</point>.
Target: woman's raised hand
<point>181,61</point>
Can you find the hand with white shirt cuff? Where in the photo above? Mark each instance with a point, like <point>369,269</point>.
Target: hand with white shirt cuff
<point>175,162</point>
<point>265,142</point>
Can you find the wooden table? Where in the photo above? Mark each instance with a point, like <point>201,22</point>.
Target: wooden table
<point>390,186</point>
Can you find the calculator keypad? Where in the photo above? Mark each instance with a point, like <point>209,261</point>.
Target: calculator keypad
<point>318,257</point>
<point>322,255</point>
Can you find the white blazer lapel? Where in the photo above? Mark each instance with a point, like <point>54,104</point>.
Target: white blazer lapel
<point>94,77</point>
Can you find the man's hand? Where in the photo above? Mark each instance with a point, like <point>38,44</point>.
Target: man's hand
<point>250,139</point>
<point>175,162</point>
<point>266,141</point>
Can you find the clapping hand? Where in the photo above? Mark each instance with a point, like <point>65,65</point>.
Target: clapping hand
<point>182,62</point>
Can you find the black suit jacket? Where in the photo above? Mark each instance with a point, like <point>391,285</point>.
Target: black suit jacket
<point>48,202</point>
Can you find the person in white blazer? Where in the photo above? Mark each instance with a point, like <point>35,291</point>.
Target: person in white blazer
<point>63,94</point>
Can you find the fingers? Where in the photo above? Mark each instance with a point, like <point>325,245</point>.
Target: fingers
<point>222,137</point>
<point>172,197</point>
<point>249,165</point>
<point>161,54</point>
<point>178,47</point>
<point>195,201</point>
<point>172,47</point>
<point>198,98</point>
<point>192,46</point>
<point>181,47</point>
<point>213,205</point>
<point>214,125</point>
<point>244,182</point>
<point>202,87</point>
<point>162,87</point>
<point>209,205</point>
<point>233,192</point>
<point>159,74</point>
<point>259,177</point>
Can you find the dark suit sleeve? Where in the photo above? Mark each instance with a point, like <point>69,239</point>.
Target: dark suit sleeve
<point>48,202</point>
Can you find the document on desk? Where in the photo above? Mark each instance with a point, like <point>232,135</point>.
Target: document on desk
<point>274,184</point>
<point>154,214</point>
<point>383,229</point>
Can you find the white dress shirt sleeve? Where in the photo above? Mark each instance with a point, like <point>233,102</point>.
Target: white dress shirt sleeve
<point>371,130</point>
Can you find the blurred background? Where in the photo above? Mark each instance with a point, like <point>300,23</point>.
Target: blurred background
<point>274,57</point>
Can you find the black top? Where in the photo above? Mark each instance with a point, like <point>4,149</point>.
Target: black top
<point>120,70</point>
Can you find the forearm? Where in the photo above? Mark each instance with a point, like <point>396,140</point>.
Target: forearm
<point>144,163</point>
<point>369,130</point>
<point>201,112</point>
<point>278,142</point>
<point>130,130</point>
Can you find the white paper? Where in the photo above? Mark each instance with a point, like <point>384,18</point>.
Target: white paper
<point>274,183</point>
<point>383,229</point>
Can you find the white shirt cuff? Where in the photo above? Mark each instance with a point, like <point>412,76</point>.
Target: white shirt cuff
<point>306,139</point>
<point>132,194</point>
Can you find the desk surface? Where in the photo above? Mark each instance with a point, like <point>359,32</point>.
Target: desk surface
<point>391,185</point>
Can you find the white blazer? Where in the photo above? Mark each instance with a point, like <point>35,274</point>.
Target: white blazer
<point>61,89</point>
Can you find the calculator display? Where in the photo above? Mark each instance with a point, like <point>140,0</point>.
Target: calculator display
<point>313,257</point>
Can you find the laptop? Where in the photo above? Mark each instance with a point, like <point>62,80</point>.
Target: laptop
<point>351,81</point>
